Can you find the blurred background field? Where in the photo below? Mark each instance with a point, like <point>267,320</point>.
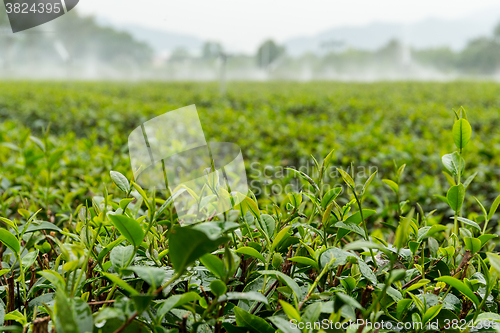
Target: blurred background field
<point>276,124</point>
<point>113,41</point>
<point>377,86</point>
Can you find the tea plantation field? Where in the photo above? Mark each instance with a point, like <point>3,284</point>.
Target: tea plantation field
<point>392,216</point>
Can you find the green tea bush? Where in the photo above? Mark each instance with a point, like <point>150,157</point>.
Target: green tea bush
<point>86,249</point>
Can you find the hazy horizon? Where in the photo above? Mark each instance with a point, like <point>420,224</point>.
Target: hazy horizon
<point>243,25</point>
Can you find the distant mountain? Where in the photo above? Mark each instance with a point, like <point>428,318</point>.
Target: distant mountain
<point>424,34</point>
<point>163,41</point>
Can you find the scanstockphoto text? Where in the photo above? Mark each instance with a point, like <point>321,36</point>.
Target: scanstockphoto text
<point>446,324</point>
<point>265,179</point>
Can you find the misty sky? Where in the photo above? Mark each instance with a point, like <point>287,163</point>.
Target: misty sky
<point>242,25</point>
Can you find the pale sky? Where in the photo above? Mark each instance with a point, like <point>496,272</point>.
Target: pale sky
<point>242,24</point>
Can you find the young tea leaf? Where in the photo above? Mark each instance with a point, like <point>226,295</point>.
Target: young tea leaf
<point>10,241</point>
<point>462,132</point>
<point>455,197</point>
<point>453,163</point>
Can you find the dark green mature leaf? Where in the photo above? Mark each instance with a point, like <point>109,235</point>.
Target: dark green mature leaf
<point>352,227</point>
<point>269,224</point>
<point>249,296</point>
<point>218,287</point>
<point>367,272</point>
<point>176,301</point>
<point>468,222</point>
<point>142,301</point>
<point>245,319</point>
<point>455,197</point>
<point>250,251</point>
<point>152,275</point>
<point>356,217</point>
<point>462,132</point>
<point>121,283</point>
<point>339,255</point>
<point>286,279</point>
<point>214,264</point>
<point>129,228</point>
<point>346,299</point>
<point>73,315</point>
<point>187,245</point>
<point>283,324</point>
<point>10,241</point>
<point>120,256</point>
<point>230,328</point>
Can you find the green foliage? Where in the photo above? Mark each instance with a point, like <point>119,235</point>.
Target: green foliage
<point>347,245</point>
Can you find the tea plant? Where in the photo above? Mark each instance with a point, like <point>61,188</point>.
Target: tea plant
<point>314,261</point>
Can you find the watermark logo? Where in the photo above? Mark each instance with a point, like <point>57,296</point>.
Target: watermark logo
<point>170,153</point>
<point>26,14</point>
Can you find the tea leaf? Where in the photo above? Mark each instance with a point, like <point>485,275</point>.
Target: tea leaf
<point>455,197</point>
<point>250,251</point>
<point>394,187</point>
<point>472,244</point>
<point>290,311</point>
<point>347,178</point>
<point>494,207</point>
<point>431,313</point>
<point>461,133</point>
<point>214,264</point>
<point>245,319</point>
<point>152,275</point>
<point>187,245</point>
<point>129,228</point>
<point>122,284</point>
<point>176,301</point>
<point>10,241</point>
<point>461,287</point>
<point>286,279</point>
<point>218,287</point>
<point>120,180</point>
<point>454,163</point>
